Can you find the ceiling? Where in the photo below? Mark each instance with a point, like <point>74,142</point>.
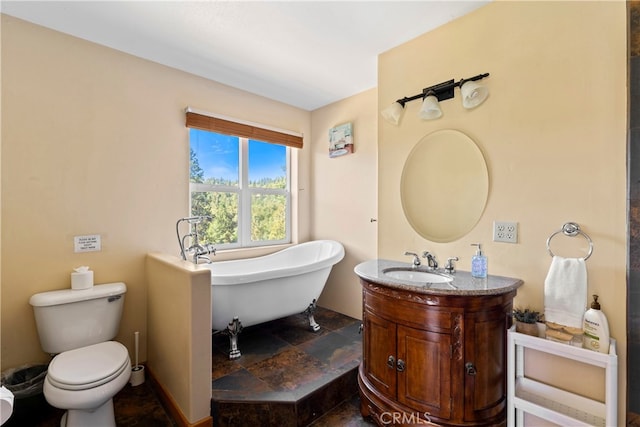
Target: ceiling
<point>304,53</point>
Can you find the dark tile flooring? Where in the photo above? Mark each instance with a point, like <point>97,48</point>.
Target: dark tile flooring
<point>285,371</point>
<point>134,406</point>
<point>289,375</point>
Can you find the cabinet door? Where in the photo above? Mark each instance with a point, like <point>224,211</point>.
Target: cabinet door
<point>424,371</point>
<point>379,353</point>
<point>485,379</point>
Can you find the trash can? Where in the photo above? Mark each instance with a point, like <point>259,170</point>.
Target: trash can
<point>25,382</point>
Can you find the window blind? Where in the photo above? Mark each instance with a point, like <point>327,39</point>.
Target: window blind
<point>243,130</point>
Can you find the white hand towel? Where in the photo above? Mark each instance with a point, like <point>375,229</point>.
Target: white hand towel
<point>565,291</point>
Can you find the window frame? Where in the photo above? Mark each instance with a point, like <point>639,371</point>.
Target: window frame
<point>245,193</point>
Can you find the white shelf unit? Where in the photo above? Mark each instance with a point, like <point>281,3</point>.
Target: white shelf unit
<point>551,403</point>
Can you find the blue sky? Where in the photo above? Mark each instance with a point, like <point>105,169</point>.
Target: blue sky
<point>218,156</point>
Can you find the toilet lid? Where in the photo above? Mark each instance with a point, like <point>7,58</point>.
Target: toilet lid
<point>88,367</point>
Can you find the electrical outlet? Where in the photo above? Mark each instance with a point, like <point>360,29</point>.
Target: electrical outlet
<point>505,232</point>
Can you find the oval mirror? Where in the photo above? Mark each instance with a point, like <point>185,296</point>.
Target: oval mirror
<point>444,186</point>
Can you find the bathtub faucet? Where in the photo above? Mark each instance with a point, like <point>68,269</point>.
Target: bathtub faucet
<point>200,252</point>
<point>196,219</point>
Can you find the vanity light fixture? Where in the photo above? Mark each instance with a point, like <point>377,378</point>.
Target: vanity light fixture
<point>430,108</point>
<point>473,94</point>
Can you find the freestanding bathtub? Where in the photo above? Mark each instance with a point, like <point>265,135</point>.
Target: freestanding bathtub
<point>250,291</point>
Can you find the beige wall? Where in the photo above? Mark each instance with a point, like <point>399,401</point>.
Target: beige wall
<point>179,307</point>
<point>108,154</point>
<point>553,132</point>
<point>0,202</point>
<point>94,142</point>
<point>344,198</point>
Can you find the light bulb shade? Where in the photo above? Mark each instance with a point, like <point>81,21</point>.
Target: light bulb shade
<point>430,108</point>
<point>473,94</point>
<point>393,113</point>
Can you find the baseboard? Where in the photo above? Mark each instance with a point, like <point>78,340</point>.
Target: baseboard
<point>172,407</point>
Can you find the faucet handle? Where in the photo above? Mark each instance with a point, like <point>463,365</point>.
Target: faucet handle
<point>416,259</point>
<point>450,267</point>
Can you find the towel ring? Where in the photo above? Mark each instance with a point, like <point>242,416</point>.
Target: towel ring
<point>571,229</point>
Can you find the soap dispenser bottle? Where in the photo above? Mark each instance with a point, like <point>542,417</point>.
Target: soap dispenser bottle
<point>479,263</point>
<point>596,328</point>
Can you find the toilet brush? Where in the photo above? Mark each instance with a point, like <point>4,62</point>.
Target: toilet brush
<point>137,372</point>
<point>136,335</point>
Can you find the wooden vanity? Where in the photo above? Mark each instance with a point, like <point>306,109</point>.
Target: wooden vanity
<point>434,352</point>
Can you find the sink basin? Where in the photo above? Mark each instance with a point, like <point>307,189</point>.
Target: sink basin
<point>417,276</point>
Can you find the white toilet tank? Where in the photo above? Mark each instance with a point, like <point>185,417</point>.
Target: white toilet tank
<point>68,318</point>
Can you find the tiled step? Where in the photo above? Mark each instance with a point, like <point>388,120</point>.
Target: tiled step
<point>293,413</point>
<point>287,375</point>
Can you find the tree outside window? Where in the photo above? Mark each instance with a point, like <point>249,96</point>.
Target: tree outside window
<point>243,185</point>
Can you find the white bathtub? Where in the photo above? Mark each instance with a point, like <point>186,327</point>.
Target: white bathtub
<point>269,287</point>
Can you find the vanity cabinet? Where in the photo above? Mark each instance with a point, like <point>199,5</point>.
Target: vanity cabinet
<point>439,358</point>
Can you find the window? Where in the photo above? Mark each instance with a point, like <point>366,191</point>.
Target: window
<point>243,184</point>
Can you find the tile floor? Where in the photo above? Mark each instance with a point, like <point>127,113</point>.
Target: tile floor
<point>288,375</point>
<point>301,374</point>
<point>134,406</point>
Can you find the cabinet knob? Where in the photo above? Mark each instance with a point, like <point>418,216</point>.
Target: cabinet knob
<point>470,368</point>
<point>400,365</point>
<point>391,362</point>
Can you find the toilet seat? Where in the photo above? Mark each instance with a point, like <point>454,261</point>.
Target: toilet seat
<point>88,367</point>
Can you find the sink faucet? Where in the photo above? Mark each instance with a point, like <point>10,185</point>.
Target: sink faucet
<point>416,259</point>
<point>432,262</point>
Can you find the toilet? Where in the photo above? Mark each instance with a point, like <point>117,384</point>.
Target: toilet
<point>88,368</point>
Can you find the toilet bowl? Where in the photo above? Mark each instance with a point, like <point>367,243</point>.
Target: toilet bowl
<point>6,404</point>
<point>83,381</point>
<point>77,327</point>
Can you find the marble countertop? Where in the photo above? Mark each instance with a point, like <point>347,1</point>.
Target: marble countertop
<point>463,283</point>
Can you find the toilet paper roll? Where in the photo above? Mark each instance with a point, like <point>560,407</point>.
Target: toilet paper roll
<point>6,404</point>
<point>82,278</point>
